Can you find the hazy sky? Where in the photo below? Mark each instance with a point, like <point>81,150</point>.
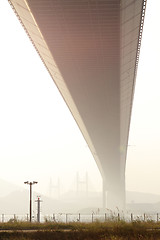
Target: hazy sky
<point>38,136</point>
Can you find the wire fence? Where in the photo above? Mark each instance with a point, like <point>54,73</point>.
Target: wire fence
<point>85,218</point>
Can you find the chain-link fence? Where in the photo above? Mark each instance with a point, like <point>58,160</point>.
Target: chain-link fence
<point>69,217</point>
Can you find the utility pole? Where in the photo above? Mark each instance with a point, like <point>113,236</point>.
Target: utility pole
<point>30,205</point>
<point>38,208</point>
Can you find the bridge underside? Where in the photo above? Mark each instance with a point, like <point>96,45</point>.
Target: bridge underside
<point>91,50</point>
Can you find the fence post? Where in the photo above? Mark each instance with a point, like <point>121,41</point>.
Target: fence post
<point>66,218</point>
<point>92,217</point>
<point>131,217</point>
<point>14,217</point>
<point>105,217</point>
<point>54,219</point>
<point>157,217</point>
<point>79,217</point>
<point>144,217</point>
<point>118,217</point>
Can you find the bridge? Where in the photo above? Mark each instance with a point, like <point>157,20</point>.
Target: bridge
<point>91,50</point>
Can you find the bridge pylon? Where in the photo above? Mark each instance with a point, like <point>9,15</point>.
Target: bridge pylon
<point>113,197</point>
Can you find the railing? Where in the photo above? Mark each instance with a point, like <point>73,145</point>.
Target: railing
<point>69,217</point>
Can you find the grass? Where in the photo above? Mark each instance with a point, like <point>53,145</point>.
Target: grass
<point>110,230</point>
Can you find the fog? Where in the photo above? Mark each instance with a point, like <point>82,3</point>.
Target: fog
<point>39,139</point>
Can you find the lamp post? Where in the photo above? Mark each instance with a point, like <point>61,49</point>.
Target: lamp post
<point>30,209</point>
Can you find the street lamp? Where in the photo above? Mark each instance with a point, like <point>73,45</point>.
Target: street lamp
<point>30,184</point>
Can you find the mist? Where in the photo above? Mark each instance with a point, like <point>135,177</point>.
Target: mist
<point>40,140</point>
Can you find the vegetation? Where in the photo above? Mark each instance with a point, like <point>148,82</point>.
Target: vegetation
<point>110,230</point>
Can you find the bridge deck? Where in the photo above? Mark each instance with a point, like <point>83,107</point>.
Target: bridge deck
<point>91,50</point>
